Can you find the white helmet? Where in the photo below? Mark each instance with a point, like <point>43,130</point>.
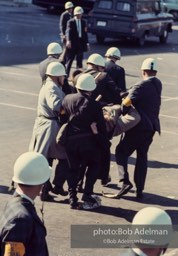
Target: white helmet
<point>149,64</point>
<point>68,5</point>
<point>31,168</point>
<point>113,52</point>
<point>78,10</point>
<point>86,82</point>
<point>96,59</point>
<point>153,218</point>
<point>54,48</point>
<point>55,69</point>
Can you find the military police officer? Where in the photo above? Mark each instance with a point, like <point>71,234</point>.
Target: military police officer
<point>116,72</point>
<point>145,96</point>
<point>21,230</point>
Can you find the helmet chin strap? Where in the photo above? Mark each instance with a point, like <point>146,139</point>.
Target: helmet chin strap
<point>42,212</point>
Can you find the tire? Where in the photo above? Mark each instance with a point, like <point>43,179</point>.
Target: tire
<point>163,37</point>
<point>141,40</point>
<point>100,39</point>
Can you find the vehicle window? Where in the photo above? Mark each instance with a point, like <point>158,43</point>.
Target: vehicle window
<point>145,7</point>
<point>124,7</point>
<point>105,4</point>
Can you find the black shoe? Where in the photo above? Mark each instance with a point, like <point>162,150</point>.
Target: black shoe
<point>74,203</point>
<point>104,183</point>
<point>139,194</point>
<point>59,191</point>
<point>126,187</point>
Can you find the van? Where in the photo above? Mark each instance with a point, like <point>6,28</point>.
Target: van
<point>171,6</point>
<point>129,19</point>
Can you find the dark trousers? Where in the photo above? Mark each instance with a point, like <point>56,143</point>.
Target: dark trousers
<point>70,56</point>
<point>105,164</point>
<point>83,152</point>
<point>61,173</point>
<point>139,141</point>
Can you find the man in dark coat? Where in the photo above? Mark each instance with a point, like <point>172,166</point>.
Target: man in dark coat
<point>83,142</point>
<point>64,17</point>
<point>77,39</point>
<point>146,98</point>
<point>21,230</point>
<point>116,72</point>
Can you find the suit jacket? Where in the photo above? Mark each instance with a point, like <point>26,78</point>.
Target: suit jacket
<point>105,87</point>
<point>65,16</point>
<point>77,44</point>
<point>146,98</point>
<point>20,223</point>
<point>117,73</point>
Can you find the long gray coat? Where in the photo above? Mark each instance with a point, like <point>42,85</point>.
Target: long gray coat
<point>47,124</point>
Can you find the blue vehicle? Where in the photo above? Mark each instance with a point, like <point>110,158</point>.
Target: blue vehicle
<point>130,19</point>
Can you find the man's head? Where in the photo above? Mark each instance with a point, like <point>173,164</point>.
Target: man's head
<point>96,61</point>
<point>86,83</point>
<point>32,170</point>
<point>78,12</point>
<point>54,49</point>
<point>57,72</point>
<point>149,67</point>
<point>152,219</point>
<point>69,6</point>
<point>113,53</point>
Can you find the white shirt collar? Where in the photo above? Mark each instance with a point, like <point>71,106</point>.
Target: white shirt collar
<point>138,252</point>
<point>24,196</point>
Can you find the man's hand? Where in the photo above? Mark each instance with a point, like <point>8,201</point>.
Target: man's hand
<point>94,128</point>
<point>68,44</point>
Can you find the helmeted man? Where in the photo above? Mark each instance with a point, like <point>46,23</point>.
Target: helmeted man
<point>83,144</point>
<point>76,39</point>
<point>54,51</point>
<point>105,86</point>
<point>110,94</point>
<point>116,72</point>
<point>150,218</point>
<point>47,123</point>
<point>21,230</point>
<point>64,18</point>
<point>145,96</point>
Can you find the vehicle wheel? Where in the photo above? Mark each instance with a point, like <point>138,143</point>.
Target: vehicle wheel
<point>163,37</point>
<point>141,40</point>
<point>100,39</point>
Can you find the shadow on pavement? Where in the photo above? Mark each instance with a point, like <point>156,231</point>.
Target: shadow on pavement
<point>126,214</point>
<point>151,164</point>
<point>154,199</point>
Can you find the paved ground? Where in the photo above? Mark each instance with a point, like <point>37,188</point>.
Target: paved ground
<point>19,87</point>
